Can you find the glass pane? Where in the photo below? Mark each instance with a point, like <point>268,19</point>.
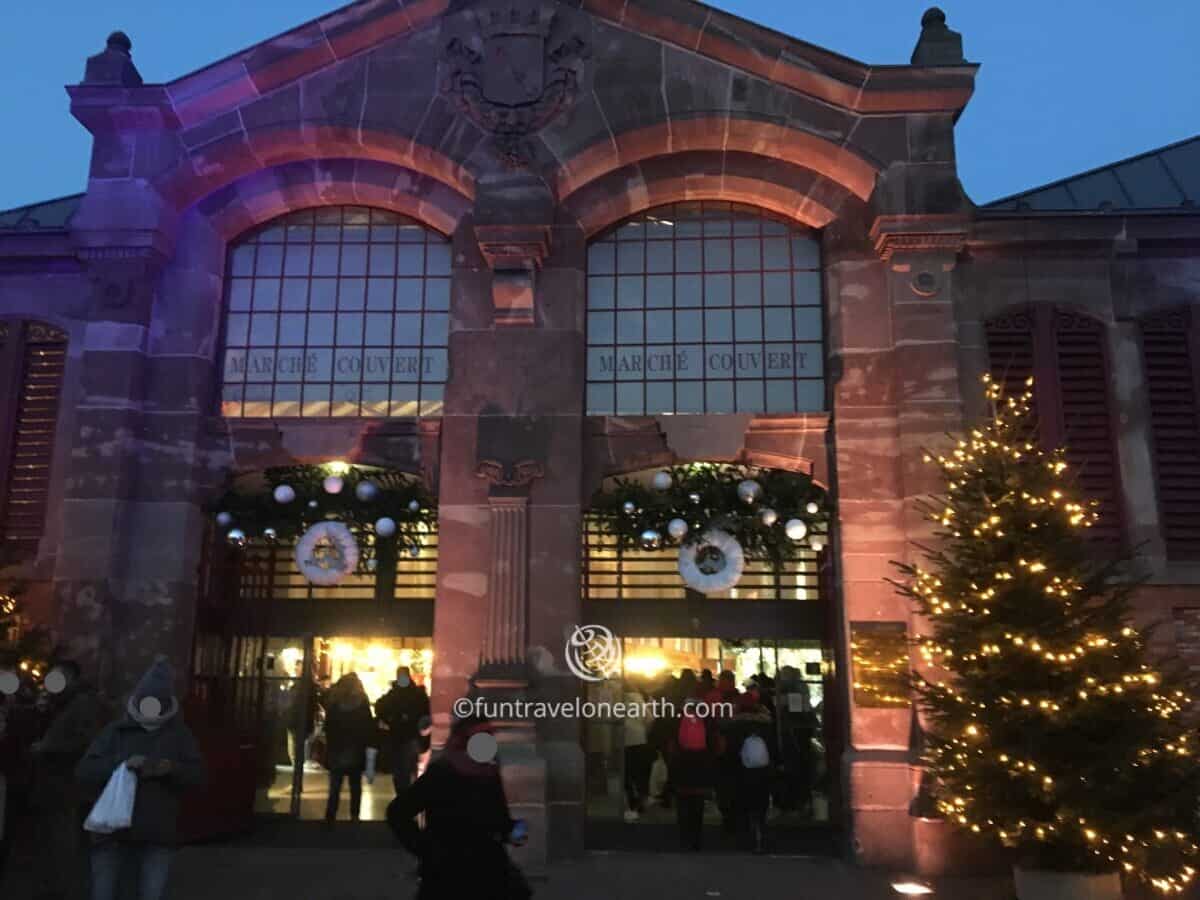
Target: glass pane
<point>719,397</point>
<point>660,397</point>
<point>601,292</point>
<point>602,258</point>
<point>688,326</point>
<point>631,292</point>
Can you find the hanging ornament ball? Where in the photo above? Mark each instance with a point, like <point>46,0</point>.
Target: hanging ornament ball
<point>285,493</point>
<point>677,528</point>
<point>312,504</point>
<point>10,682</point>
<point>236,537</point>
<point>333,484</point>
<point>224,519</point>
<point>385,527</point>
<point>812,509</point>
<point>769,516</point>
<point>414,551</point>
<point>270,534</point>
<point>749,490</point>
<point>817,545</point>
<point>372,565</point>
<point>651,539</point>
<point>628,507</point>
<point>662,480</point>
<point>414,506</point>
<point>796,529</point>
<point>694,497</point>
<point>366,491</point>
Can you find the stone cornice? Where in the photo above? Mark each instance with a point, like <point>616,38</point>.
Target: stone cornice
<point>919,234</point>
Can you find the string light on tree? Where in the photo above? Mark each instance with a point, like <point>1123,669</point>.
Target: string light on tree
<point>1050,731</point>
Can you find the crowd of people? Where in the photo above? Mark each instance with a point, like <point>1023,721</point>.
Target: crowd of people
<point>715,741</point>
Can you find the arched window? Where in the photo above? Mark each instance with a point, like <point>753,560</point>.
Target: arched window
<point>337,311</point>
<point>705,308</point>
<point>1170,342</point>
<point>1066,354</point>
<point>33,356</point>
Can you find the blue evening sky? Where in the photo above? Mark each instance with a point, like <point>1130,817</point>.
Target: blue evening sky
<point>1066,85</point>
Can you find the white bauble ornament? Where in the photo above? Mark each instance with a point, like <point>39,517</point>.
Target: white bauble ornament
<point>768,516</point>
<point>285,493</point>
<point>236,536</point>
<point>326,553</point>
<point>796,529</point>
<point>414,506</point>
<point>662,480</point>
<point>366,491</point>
<point>628,507</point>
<point>749,490</point>
<point>385,527</point>
<point>712,564</point>
<point>372,565</point>
<point>812,509</point>
<point>55,681</point>
<point>677,528</point>
<point>694,497</point>
<point>312,504</point>
<point>270,534</point>
<point>651,539</point>
<point>224,519</point>
<point>333,484</point>
<point>816,545</point>
<point>10,682</point>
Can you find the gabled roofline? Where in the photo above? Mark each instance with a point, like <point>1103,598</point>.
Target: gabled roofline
<point>1062,182</point>
<point>32,206</point>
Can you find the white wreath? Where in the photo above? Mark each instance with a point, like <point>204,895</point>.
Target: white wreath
<point>712,564</point>
<point>327,553</point>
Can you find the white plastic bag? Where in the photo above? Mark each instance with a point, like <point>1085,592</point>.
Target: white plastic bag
<point>372,756</point>
<point>114,810</point>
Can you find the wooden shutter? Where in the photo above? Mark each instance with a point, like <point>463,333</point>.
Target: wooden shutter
<point>1170,365</point>
<point>1067,357</point>
<point>41,354</point>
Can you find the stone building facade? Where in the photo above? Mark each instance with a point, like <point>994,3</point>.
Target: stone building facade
<point>520,135</point>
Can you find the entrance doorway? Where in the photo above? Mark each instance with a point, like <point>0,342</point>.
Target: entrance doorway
<point>299,673</point>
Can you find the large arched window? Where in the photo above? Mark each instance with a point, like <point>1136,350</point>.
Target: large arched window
<point>338,311</point>
<point>705,308</point>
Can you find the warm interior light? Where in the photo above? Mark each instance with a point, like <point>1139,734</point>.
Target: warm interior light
<point>338,467</point>
<point>291,656</point>
<point>647,665</point>
<point>911,887</point>
<point>343,651</point>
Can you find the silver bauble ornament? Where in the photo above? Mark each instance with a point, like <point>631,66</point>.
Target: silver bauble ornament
<point>812,509</point>
<point>677,528</point>
<point>312,504</point>
<point>285,493</point>
<point>236,537</point>
<point>414,551</point>
<point>768,516</point>
<point>372,565</point>
<point>333,484</point>
<point>270,534</point>
<point>796,529</point>
<point>628,507</point>
<point>662,480</point>
<point>694,497</point>
<point>414,506</point>
<point>816,545</point>
<point>224,519</point>
<point>651,539</point>
<point>385,527</point>
<point>366,491</point>
<point>749,490</point>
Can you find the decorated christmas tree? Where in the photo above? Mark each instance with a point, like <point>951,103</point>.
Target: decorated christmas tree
<point>1050,730</point>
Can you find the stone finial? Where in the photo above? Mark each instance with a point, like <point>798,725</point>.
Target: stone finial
<point>938,45</point>
<point>114,64</point>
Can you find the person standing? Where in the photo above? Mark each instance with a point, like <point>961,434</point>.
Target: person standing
<point>467,822</point>
<point>639,755</point>
<point>349,730</point>
<point>153,741</point>
<point>76,717</point>
<point>404,710</point>
<point>750,739</point>
<point>692,763</point>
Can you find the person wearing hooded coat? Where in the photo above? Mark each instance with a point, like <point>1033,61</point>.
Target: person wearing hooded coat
<point>467,823</point>
<point>153,741</point>
<point>349,730</point>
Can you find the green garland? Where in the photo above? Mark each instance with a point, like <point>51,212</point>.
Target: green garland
<point>257,514</point>
<point>706,496</point>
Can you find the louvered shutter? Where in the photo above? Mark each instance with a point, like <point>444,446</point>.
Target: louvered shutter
<point>1175,428</point>
<point>43,354</point>
<point>1066,355</point>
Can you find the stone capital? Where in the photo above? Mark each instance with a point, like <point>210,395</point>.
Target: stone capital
<point>903,235</point>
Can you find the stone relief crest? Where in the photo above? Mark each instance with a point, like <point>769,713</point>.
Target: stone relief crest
<point>512,68</point>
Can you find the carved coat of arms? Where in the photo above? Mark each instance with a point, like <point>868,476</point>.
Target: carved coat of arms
<point>514,68</point>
